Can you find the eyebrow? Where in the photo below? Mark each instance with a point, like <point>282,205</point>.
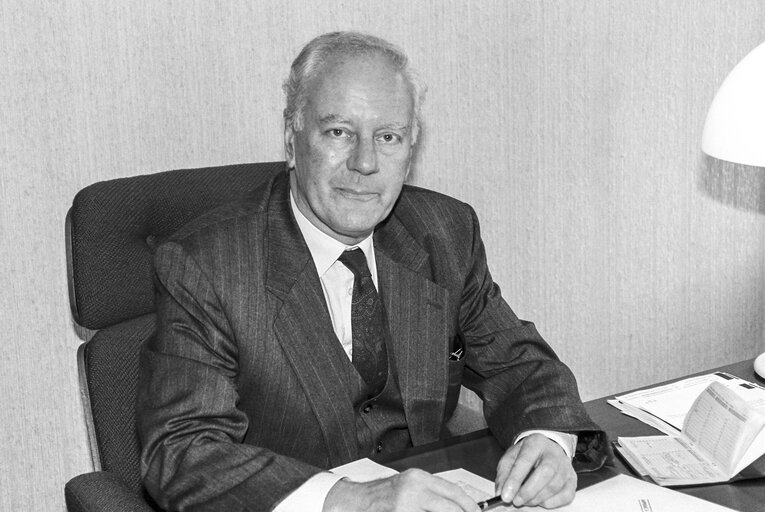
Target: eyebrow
<point>337,118</point>
<point>333,118</point>
<point>398,127</point>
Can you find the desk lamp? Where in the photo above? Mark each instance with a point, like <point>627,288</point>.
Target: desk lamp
<point>735,127</point>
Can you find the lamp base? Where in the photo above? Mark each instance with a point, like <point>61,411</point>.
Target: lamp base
<point>759,365</point>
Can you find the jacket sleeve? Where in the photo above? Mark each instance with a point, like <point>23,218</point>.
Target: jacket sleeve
<point>193,457</point>
<point>521,380</point>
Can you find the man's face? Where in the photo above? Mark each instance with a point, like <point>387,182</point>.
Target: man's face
<point>352,154</point>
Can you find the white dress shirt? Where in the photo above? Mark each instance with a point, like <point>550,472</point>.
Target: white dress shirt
<point>337,284</point>
<point>336,279</point>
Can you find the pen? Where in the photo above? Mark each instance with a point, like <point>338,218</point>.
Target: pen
<point>491,503</point>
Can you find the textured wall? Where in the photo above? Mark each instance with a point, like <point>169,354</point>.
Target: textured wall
<point>571,126</point>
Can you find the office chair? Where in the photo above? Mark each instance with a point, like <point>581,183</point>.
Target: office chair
<point>112,230</point>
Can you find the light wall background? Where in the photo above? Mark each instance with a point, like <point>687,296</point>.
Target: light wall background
<point>572,126</point>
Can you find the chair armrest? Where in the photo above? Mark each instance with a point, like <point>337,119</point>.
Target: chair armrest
<point>102,491</point>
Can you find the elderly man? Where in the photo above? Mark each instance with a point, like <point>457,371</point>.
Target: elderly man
<point>334,313</point>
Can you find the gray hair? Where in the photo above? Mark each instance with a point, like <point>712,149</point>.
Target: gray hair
<point>313,57</point>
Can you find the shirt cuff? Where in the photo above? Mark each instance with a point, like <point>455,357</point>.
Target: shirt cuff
<point>310,496</point>
<point>565,440</point>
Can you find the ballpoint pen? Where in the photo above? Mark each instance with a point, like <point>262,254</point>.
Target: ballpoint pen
<point>492,503</point>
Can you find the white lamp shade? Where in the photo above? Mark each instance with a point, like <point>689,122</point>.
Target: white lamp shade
<point>735,127</point>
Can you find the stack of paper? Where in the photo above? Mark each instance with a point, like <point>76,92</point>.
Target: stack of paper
<point>665,407</point>
<point>721,436</point>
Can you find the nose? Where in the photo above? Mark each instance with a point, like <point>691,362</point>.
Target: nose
<point>363,157</point>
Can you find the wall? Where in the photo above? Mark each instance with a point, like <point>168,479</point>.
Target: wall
<point>571,126</point>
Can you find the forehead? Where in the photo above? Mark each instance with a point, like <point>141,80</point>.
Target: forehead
<point>364,87</point>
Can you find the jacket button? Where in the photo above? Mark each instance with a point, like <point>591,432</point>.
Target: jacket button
<point>379,447</point>
<point>367,408</point>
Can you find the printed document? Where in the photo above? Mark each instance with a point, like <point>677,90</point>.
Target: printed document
<point>721,435</point>
<point>665,407</point>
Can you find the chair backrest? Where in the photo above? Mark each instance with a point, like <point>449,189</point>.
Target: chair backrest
<point>112,231</point>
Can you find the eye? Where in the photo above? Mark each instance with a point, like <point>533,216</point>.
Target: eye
<point>337,132</point>
<point>389,138</point>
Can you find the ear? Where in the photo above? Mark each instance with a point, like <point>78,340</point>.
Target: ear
<point>289,145</point>
<point>410,158</point>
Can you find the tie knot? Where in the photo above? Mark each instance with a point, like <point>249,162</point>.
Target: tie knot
<point>355,261</point>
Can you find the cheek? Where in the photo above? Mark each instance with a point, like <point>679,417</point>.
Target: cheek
<point>323,163</point>
<point>400,161</point>
<point>398,172</point>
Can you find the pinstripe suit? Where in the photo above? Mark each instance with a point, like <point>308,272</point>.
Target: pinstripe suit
<point>244,390</point>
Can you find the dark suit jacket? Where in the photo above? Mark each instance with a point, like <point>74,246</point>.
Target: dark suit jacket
<point>244,393</point>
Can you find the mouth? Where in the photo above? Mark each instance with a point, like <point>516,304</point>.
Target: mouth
<point>356,195</point>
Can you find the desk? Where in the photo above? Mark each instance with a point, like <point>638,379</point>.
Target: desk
<point>479,453</point>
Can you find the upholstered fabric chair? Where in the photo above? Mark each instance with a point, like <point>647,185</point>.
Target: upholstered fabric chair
<point>112,230</point>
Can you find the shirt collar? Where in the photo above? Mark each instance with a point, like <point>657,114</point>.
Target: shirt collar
<point>324,249</point>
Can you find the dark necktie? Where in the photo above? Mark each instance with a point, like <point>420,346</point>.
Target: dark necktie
<point>367,324</point>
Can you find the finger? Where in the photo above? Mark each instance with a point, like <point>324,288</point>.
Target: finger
<point>504,466</point>
<point>436,494</point>
<point>564,496</point>
<point>540,484</point>
<point>522,464</point>
<point>547,481</point>
<point>456,495</point>
<point>441,504</point>
<point>552,477</point>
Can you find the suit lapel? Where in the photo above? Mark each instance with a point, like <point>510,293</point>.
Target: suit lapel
<point>304,328</point>
<point>417,316</point>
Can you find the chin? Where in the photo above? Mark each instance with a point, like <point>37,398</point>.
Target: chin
<point>360,219</point>
<point>357,230</point>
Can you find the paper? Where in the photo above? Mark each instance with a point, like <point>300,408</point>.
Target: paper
<point>723,425</point>
<point>670,403</point>
<point>363,470</point>
<point>719,438</point>
<point>625,493</point>
<point>621,493</point>
<point>645,417</point>
<point>670,460</point>
<point>478,488</point>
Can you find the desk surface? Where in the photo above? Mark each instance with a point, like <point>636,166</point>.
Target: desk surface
<point>479,452</point>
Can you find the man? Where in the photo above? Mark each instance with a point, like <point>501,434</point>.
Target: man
<point>268,368</point>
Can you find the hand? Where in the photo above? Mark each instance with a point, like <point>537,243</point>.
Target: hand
<point>536,471</point>
<point>413,490</point>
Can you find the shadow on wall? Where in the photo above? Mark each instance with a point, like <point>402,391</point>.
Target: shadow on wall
<point>738,185</point>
